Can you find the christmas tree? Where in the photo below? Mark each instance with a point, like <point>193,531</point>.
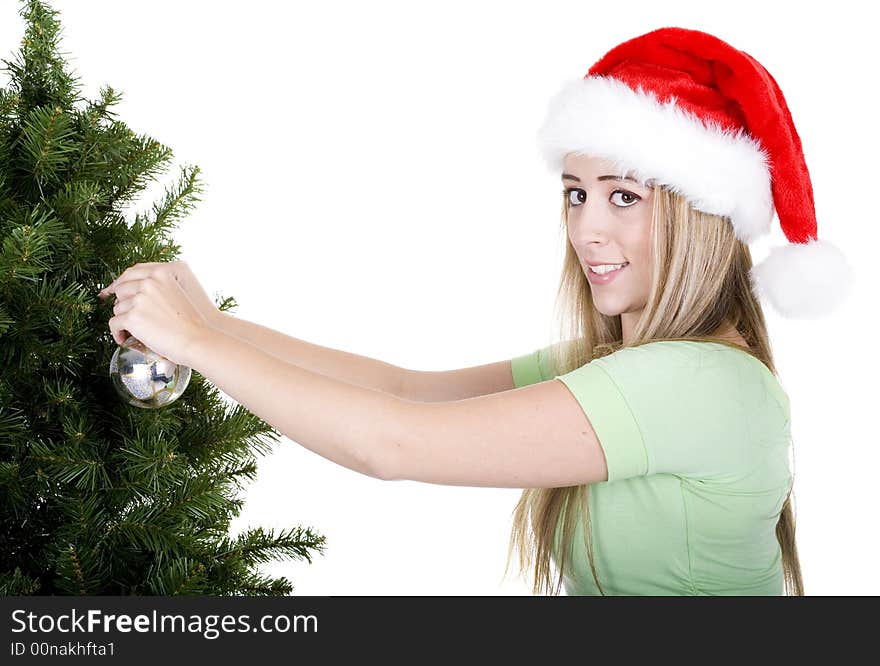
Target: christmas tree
<point>96,496</point>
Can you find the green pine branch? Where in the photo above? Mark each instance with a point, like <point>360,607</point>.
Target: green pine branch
<point>17,583</point>
<point>96,496</point>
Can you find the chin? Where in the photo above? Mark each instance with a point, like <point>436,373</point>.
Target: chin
<point>609,311</point>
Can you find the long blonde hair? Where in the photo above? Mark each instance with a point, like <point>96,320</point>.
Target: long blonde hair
<point>699,285</point>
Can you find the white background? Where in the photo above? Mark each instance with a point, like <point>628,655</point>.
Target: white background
<point>373,185</point>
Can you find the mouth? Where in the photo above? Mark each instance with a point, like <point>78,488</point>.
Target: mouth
<point>606,277</point>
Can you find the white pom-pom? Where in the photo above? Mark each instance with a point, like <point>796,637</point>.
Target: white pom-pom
<point>803,279</point>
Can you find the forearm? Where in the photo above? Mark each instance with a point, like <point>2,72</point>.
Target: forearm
<point>342,422</point>
<point>352,368</point>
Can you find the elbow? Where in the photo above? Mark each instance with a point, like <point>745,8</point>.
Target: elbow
<point>385,466</point>
<point>382,475</point>
<point>388,460</point>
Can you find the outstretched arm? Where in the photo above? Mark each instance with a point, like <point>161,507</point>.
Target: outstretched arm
<point>531,437</point>
<point>345,423</point>
<point>535,436</point>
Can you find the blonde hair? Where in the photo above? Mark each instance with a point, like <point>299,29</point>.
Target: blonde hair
<point>699,285</point>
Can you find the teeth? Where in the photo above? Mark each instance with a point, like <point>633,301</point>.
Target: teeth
<point>605,268</point>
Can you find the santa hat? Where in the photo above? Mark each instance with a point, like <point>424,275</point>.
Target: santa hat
<point>687,110</point>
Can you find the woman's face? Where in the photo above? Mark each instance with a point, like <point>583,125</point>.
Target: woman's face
<point>609,222</point>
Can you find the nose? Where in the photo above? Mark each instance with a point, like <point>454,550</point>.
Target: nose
<point>588,223</point>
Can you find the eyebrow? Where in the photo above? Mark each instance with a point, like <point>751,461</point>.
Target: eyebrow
<point>575,178</point>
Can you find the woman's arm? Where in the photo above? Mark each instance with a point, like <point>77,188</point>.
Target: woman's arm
<point>352,368</point>
<point>535,436</point>
<point>416,385</point>
<point>342,422</point>
<point>531,437</point>
<point>448,385</point>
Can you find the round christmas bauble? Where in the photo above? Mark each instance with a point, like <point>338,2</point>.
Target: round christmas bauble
<point>144,378</point>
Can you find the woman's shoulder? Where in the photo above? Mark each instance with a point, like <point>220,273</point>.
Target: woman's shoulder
<point>698,365</point>
<point>734,351</point>
<point>690,355</point>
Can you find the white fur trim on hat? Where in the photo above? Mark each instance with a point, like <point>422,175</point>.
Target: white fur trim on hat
<point>803,279</point>
<point>719,171</point>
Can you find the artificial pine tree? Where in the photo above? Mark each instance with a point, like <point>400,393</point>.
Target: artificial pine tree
<point>96,496</point>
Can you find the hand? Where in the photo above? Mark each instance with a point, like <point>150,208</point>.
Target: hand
<point>152,306</point>
<point>187,280</point>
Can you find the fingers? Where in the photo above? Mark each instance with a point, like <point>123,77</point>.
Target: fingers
<point>118,330</point>
<point>125,301</point>
<point>139,272</point>
<point>133,272</point>
<point>122,306</point>
<point>141,277</point>
<point>122,290</point>
<point>146,277</point>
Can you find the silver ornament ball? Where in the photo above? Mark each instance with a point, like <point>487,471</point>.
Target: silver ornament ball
<point>144,378</point>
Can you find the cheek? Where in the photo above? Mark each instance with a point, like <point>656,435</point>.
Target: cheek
<point>645,267</point>
<point>638,239</point>
<point>636,247</point>
<point>642,256</point>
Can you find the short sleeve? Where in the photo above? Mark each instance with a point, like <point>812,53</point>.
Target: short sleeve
<point>611,417</point>
<point>537,366</point>
<point>679,407</point>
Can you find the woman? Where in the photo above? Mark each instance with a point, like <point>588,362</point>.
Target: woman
<point>664,421</point>
<point>695,501</point>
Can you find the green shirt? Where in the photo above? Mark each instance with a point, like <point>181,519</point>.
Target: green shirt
<point>696,436</point>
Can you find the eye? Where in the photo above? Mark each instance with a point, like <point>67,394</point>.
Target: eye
<point>628,197</point>
<point>581,196</point>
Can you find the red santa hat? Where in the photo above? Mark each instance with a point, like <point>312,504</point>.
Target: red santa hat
<point>687,110</point>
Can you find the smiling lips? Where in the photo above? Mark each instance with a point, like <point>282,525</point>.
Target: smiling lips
<point>604,278</point>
